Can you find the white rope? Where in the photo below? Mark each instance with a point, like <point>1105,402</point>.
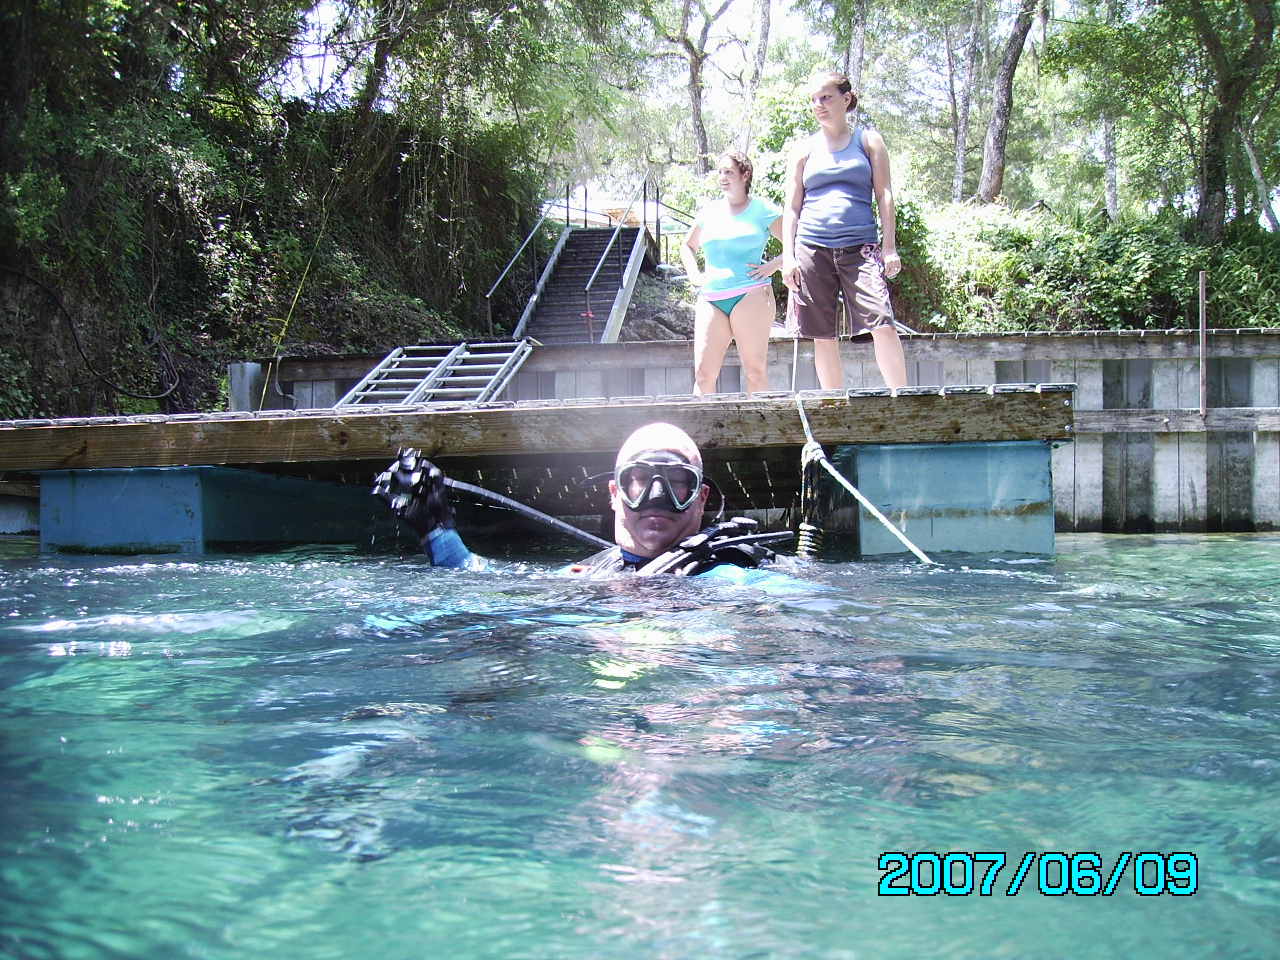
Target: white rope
<point>813,451</point>
<point>795,359</point>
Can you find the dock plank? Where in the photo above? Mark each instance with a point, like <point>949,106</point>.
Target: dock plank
<point>533,427</point>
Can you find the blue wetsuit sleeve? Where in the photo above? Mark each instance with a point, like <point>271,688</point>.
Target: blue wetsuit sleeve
<point>445,548</point>
<point>771,581</point>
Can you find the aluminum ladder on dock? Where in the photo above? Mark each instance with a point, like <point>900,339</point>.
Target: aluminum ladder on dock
<point>431,374</point>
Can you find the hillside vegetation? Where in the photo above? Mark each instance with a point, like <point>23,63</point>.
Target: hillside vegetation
<point>187,184</point>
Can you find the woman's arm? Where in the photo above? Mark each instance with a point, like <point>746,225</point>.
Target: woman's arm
<point>882,184</point>
<point>758,271</point>
<point>689,255</point>
<point>791,217</point>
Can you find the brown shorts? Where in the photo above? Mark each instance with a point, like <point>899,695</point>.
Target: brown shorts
<point>826,271</point>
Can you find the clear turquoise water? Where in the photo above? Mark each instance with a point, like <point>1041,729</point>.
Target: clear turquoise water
<point>320,755</point>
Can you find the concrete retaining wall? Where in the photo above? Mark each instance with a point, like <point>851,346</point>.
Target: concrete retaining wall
<point>1120,478</point>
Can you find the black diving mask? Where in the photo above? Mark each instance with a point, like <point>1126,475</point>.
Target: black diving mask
<point>659,478</point>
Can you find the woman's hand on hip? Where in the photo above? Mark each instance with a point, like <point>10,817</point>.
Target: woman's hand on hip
<point>763,271</point>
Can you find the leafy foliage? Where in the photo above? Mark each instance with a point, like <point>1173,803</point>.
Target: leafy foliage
<point>15,396</point>
<point>173,198</point>
<point>186,184</point>
<point>998,270</point>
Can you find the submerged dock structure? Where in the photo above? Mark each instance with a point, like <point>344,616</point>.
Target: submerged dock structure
<point>957,468</point>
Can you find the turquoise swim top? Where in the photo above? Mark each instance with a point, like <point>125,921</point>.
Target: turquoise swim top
<point>732,241</point>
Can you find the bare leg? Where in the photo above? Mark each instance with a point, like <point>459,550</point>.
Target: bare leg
<point>711,335</point>
<point>826,359</point>
<point>750,322</point>
<point>889,356</point>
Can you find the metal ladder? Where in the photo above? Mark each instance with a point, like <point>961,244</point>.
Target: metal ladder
<point>428,374</point>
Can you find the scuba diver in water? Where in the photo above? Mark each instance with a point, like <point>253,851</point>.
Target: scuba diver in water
<point>658,496</point>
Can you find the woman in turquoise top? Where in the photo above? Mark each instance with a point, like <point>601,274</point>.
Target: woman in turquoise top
<point>736,301</point>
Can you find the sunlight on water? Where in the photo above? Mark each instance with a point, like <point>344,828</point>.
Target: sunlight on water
<point>316,754</point>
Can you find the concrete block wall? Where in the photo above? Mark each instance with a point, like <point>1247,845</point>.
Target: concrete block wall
<point>1127,480</point>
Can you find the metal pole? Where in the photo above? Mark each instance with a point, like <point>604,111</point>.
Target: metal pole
<point>566,204</point>
<point>1204,349</point>
<point>657,211</point>
<point>584,205</point>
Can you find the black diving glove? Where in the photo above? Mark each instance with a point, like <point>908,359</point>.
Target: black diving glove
<point>415,490</point>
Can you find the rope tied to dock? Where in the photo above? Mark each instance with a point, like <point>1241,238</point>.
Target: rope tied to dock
<point>813,453</point>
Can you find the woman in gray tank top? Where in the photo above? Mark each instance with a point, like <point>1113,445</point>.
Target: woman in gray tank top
<point>830,242</point>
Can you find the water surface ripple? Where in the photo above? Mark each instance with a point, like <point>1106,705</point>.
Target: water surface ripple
<point>332,755</point>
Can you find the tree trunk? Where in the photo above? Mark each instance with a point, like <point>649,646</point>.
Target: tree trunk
<point>1110,175</point>
<point>992,180</point>
<point>964,101</point>
<point>1259,180</point>
<point>857,47</point>
<point>696,56</point>
<point>951,80</point>
<point>375,75</point>
<point>702,163</point>
<point>763,10</point>
<point>1233,81</point>
<point>1109,164</point>
<point>761,52</point>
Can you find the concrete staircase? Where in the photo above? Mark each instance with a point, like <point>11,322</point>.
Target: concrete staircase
<point>559,306</point>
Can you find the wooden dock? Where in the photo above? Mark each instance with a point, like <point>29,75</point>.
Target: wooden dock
<point>326,443</point>
<point>543,452</point>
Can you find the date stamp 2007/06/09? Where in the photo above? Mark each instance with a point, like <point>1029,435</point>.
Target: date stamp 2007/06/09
<point>1052,873</point>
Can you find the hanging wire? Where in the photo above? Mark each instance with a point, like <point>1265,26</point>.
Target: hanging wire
<point>274,378</point>
<point>528,511</point>
<point>75,337</point>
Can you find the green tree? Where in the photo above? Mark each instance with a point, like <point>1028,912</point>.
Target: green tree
<point>1181,80</point>
<point>171,197</point>
<point>1238,44</point>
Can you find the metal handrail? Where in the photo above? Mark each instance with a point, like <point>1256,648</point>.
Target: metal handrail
<point>551,208</point>
<point>684,214</point>
<point>541,283</point>
<point>516,256</point>
<point>586,291</point>
<point>488,297</point>
<point>547,211</point>
<point>556,209</point>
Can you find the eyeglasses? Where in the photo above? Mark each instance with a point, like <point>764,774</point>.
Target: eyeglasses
<point>654,474</point>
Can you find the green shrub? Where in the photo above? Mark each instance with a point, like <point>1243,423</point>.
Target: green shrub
<point>992,269</point>
<point>16,399</point>
<point>1244,279</point>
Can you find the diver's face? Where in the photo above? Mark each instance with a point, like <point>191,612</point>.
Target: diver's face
<point>646,496</point>
<point>653,530</point>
